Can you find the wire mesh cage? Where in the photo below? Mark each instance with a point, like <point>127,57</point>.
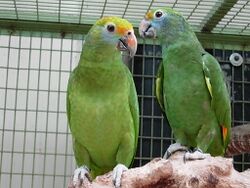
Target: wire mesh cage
<point>40,44</point>
<point>36,146</point>
<point>229,16</point>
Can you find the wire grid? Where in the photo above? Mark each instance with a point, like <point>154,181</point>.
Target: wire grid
<point>155,134</point>
<point>36,148</point>
<point>237,19</point>
<point>197,12</point>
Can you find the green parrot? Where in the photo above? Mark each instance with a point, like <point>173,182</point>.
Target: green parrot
<point>190,87</point>
<point>102,104</point>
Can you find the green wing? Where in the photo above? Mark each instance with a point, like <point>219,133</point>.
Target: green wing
<point>159,86</point>
<point>134,107</point>
<point>220,100</point>
<point>67,97</point>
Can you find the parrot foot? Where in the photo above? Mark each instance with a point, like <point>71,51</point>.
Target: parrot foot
<point>174,148</point>
<point>79,175</point>
<point>117,174</point>
<point>196,155</point>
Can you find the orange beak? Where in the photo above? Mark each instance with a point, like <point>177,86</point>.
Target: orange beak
<point>128,43</point>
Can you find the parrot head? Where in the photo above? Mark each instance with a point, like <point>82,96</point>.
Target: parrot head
<point>164,24</point>
<point>115,33</point>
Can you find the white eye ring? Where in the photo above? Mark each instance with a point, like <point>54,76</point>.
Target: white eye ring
<point>158,14</point>
<point>236,59</point>
<point>110,27</point>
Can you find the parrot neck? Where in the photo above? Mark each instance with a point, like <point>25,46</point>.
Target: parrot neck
<point>187,38</point>
<point>182,33</point>
<point>172,37</point>
<point>98,53</point>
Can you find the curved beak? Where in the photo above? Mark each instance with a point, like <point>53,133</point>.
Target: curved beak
<point>146,30</point>
<point>128,43</point>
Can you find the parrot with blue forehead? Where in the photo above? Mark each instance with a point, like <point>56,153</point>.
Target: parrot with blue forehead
<point>190,87</point>
<point>102,104</point>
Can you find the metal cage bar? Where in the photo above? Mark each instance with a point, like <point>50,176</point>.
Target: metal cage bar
<point>204,15</point>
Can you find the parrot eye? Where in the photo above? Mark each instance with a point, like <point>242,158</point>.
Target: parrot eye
<point>111,28</point>
<point>158,14</point>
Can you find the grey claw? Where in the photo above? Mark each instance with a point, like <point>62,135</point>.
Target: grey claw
<point>117,174</point>
<point>196,155</point>
<point>79,175</point>
<point>174,148</point>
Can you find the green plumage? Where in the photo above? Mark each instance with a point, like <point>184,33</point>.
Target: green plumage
<point>190,87</point>
<point>102,104</point>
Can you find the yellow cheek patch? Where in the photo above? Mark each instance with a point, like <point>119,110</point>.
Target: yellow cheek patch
<point>149,15</point>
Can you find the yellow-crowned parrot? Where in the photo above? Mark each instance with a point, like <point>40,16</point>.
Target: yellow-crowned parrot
<point>102,105</point>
